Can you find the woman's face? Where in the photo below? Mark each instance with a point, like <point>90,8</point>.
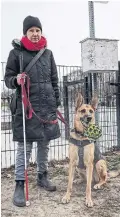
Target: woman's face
<point>34,34</point>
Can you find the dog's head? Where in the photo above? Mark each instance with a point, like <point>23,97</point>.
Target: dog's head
<point>85,113</point>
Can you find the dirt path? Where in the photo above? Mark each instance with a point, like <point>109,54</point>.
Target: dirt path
<point>45,204</point>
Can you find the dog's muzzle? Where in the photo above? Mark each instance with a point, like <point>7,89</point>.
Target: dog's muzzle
<point>86,119</point>
<point>89,119</point>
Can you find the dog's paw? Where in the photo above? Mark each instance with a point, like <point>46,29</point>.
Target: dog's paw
<point>66,199</point>
<point>89,203</point>
<point>97,186</point>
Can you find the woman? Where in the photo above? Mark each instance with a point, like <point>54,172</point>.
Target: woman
<point>44,97</point>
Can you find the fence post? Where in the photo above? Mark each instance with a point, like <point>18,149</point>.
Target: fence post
<point>118,106</point>
<point>66,105</point>
<point>88,88</point>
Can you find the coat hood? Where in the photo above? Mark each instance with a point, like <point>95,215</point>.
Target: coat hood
<point>16,43</point>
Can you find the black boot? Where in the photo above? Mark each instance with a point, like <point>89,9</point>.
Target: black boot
<point>19,196</point>
<point>43,181</point>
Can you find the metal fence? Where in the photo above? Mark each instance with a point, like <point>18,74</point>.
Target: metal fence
<point>71,80</point>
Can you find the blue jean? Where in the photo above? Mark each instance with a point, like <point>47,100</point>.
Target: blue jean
<point>42,158</point>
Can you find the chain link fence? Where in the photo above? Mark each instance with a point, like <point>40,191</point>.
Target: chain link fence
<point>71,80</point>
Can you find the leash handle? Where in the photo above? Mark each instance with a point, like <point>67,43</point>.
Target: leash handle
<point>25,94</point>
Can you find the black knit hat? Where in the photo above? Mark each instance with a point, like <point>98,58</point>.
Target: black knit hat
<point>29,22</point>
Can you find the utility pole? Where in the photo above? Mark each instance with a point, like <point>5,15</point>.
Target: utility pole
<point>91,16</point>
<point>91,19</point>
<point>93,77</point>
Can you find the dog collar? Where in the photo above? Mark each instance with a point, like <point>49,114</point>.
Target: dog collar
<point>77,132</point>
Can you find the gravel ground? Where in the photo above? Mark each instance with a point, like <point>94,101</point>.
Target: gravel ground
<point>46,204</point>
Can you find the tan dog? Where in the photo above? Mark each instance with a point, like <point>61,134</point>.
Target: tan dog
<point>84,115</point>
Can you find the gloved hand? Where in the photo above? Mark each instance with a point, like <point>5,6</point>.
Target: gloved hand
<point>19,76</point>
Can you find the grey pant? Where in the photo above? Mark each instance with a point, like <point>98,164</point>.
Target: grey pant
<point>42,158</point>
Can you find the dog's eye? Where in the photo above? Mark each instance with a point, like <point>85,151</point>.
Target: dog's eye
<point>91,111</point>
<point>83,111</point>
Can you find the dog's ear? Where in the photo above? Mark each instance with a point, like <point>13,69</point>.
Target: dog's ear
<point>79,101</point>
<point>94,102</point>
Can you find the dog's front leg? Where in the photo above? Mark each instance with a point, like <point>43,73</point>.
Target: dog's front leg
<point>66,198</point>
<point>73,156</point>
<point>89,172</point>
<point>88,160</point>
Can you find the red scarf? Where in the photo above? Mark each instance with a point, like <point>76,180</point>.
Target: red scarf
<point>34,46</point>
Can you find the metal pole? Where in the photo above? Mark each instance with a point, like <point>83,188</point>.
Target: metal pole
<point>66,105</point>
<point>91,19</point>
<point>118,106</point>
<point>92,35</point>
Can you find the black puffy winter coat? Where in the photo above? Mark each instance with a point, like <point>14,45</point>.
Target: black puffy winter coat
<point>44,94</point>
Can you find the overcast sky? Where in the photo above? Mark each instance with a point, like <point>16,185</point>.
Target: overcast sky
<point>65,24</point>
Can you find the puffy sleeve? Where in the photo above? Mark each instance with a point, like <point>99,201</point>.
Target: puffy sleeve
<point>12,69</point>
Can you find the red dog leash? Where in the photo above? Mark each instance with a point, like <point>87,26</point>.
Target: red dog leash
<point>25,88</point>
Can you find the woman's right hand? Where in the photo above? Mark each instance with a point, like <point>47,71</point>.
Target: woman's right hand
<point>18,78</point>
